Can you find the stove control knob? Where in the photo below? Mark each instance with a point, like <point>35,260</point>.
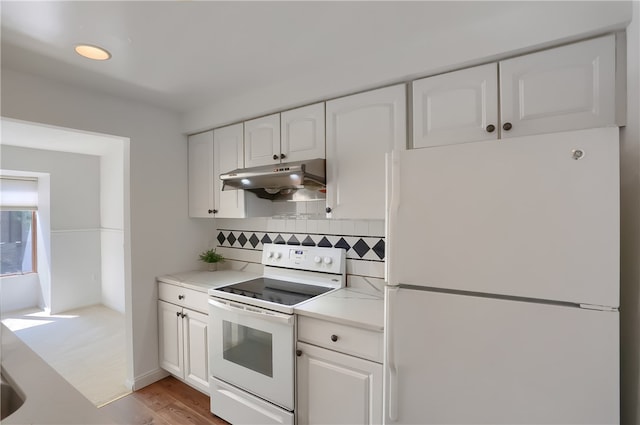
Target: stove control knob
<point>278,255</point>
<point>270,254</point>
<point>328,260</point>
<point>317,259</point>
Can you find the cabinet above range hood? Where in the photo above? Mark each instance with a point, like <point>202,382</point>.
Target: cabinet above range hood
<point>292,181</point>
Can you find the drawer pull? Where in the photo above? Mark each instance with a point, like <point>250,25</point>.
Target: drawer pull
<point>181,297</point>
<point>334,338</point>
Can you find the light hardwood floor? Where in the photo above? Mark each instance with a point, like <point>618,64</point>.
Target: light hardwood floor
<point>166,402</point>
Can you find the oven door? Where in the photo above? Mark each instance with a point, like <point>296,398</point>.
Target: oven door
<point>253,349</point>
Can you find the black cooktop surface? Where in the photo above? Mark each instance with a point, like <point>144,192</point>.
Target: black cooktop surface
<point>275,291</point>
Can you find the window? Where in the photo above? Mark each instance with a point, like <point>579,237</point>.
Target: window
<point>18,224</point>
<point>17,242</point>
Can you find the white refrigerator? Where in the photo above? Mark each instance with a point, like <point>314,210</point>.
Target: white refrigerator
<point>503,282</point>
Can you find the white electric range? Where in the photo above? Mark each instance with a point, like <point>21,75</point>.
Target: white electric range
<point>252,332</point>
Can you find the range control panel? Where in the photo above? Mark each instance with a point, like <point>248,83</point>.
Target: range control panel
<point>311,258</point>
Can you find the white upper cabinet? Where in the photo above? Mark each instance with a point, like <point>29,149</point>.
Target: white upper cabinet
<point>211,154</point>
<point>566,88</point>
<point>227,156</point>
<point>201,177</point>
<point>456,107</point>
<point>361,129</point>
<point>262,141</point>
<point>293,135</point>
<point>303,133</point>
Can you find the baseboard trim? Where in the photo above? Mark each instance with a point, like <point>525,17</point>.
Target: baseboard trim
<point>146,379</point>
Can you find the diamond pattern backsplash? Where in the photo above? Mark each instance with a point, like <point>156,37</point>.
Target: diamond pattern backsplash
<point>357,247</point>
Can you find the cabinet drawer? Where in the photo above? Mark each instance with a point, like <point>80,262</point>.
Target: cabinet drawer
<point>348,339</point>
<point>183,296</point>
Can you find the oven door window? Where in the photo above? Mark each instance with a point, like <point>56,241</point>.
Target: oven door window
<point>248,347</point>
<point>253,349</point>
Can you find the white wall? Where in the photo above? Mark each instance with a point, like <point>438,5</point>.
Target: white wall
<point>19,291</point>
<point>74,208</point>
<point>112,275</point>
<point>112,174</point>
<point>75,269</point>
<point>500,28</point>
<point>162,238</point>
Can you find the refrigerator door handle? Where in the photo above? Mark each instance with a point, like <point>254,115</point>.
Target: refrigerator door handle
<point>391,372</point>
<point>393,205</point>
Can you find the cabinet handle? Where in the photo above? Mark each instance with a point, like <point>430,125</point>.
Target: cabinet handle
<point>275,156</point>
<point>334,338</point>
<point>282,156</point>
<point>507,126</point>
<point>328,209</point>
<point>177,313</point>
<point>298,353</point>
<point>491,128</point>
<point>213,211</point>
<point>181,297</point>
<point>183,315</point>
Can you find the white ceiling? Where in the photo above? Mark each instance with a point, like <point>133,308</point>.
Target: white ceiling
<point>217,62</point>
<point>183,55</point>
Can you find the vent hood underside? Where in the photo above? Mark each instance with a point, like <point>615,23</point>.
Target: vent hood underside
<point>293,181</point>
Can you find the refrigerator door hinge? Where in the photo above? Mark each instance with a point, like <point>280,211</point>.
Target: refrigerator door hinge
<point>598,307</point>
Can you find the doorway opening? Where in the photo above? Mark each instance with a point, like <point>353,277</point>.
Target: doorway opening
<point>77,294</point>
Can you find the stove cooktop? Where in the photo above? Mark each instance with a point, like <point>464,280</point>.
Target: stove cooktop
<point>275,291</point>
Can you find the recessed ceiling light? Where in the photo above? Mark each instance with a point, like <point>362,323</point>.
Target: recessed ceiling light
<point>92,52</point>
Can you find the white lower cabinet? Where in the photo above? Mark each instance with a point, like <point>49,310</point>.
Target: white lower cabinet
<point>333,387</point>
<point>196,370</point>
<point>183,343</point>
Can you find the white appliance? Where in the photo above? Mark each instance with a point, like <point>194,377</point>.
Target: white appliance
<point>252,332</point>
<point>503,282</point>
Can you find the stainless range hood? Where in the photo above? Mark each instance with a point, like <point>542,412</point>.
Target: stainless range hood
<point>292,181</point>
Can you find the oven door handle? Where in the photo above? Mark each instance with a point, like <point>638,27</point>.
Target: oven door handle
<point>285,319</point>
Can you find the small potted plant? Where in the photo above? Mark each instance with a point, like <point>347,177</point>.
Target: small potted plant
<point>212,258</point>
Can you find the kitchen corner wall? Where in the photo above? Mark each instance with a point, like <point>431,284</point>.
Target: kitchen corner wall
<point>241,240</point>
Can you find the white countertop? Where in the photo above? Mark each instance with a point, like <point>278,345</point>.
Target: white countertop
<point>204,280</point>
<point>50,399</point>
<point>355,307</point>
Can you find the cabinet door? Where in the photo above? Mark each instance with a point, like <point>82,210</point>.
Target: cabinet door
<point>170,338</point>
<point>361,129</point>
<point>456,107</point>
<point>303,133</point>
<point>201,178</point>
<point>228,156</point>
<point>566,88</point>
<point>196,370</point>
<point>262,141</point>
<point>334,388</point>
